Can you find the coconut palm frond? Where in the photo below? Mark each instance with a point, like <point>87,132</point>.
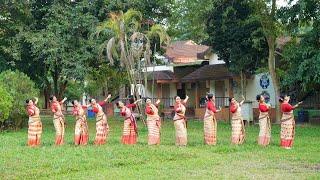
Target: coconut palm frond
<point>102,47</point>
<point>116,16</point>
<point>110,48</point>
<point>158,31</point>
<point>113,26</point>
<point>133,26</point>
<point>121,29</point>
<point>123,60</point>
<point>147,56</point>
<point>147,52</point>
<point>124,57</point>
<point>132,15</point>
<point>132,19</point>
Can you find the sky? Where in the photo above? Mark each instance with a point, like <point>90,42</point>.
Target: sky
<point>281,3</point>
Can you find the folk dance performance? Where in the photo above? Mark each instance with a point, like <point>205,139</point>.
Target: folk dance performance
<point>180,121</point>
<point>34,123</point>
<point>238,129</point>
<point>153,122</point>
<point>264,122</point>
<point>130,129</point>
<point>287,122</point>
<point>210,122</point>
<point>102,127</point>
<point>81,131</point>
<point>58,119</point>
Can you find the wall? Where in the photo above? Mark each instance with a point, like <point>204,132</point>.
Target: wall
<point>173,90</point>
<point>223,91</point>
<point>165,91</point>
<point>212,87</point>
<point>227,88</point>
<point>159,68</point>
<point>213,59</point>
<point>258,84</point>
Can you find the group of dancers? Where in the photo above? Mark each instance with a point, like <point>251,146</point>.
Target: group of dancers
<point>130,131</point>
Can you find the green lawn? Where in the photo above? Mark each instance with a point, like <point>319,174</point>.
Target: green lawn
<point>196,161</point>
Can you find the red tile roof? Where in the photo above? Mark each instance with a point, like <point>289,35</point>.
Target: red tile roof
<point>209,72</point>
<point>186,51</point>
<point>161,75</point>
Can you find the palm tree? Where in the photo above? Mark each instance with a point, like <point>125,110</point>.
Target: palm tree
<point>121,26</point>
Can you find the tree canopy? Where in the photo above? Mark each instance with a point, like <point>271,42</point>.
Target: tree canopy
<point>54,42</point>
<point>301,56</point>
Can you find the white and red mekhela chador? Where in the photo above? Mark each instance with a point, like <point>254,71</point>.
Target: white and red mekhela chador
<point>264,124</point>
<point>180,124</point>
<point>129,135</point>
<point>35,126</point>
<point>287,125</point>
<point>154,124</point>
<point>81,131</point>
<point>102,127</point>
<point>238,131</point>
<point>210,124</point>
<point>58,121</point>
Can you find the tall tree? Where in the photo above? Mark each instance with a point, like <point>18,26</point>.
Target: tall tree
<point>187,20</point>
<point>236,38</point>
<point>52,43</point>
<point>265,12</point>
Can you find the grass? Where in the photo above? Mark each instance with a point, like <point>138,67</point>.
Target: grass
<point>196,161</point>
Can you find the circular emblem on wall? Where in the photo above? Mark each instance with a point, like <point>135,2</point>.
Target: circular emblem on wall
<point>264,81</point>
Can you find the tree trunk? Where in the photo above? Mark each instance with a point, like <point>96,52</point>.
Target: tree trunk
<point>55,81</point>
<point>145,81</point>
<point>46,93</point>
<point>62,89</point>
<point>154,65</point>
<point>272,71</point>
<point>242,83</point>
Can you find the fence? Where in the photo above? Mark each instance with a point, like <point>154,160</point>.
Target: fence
<point>311,101</point>
<point>166,102</point>
<point>169,102</point>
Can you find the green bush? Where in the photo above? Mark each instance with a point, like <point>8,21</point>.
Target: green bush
<point>74,90</point>
<point>20,87</point>
<point>5,104</point>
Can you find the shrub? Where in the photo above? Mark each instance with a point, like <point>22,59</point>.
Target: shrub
<point>20,87</point>
<point>5,104</point>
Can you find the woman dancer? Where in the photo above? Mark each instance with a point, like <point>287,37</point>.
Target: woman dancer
<point>180,121</point>
<point>81,134</point>
<point>153,122</point>
<point>287,122</point>
<point>58,119</point>
<point>130,130</point>
<point>35,124</point>
<point>238,131</point>
<point>102,127</point>
<point>210,122</point>
<point>264,122</point>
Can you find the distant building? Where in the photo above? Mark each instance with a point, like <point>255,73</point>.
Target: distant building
<point>195,70</point>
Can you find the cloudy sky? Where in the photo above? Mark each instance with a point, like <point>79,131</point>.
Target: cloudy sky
<point>281,3</point>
